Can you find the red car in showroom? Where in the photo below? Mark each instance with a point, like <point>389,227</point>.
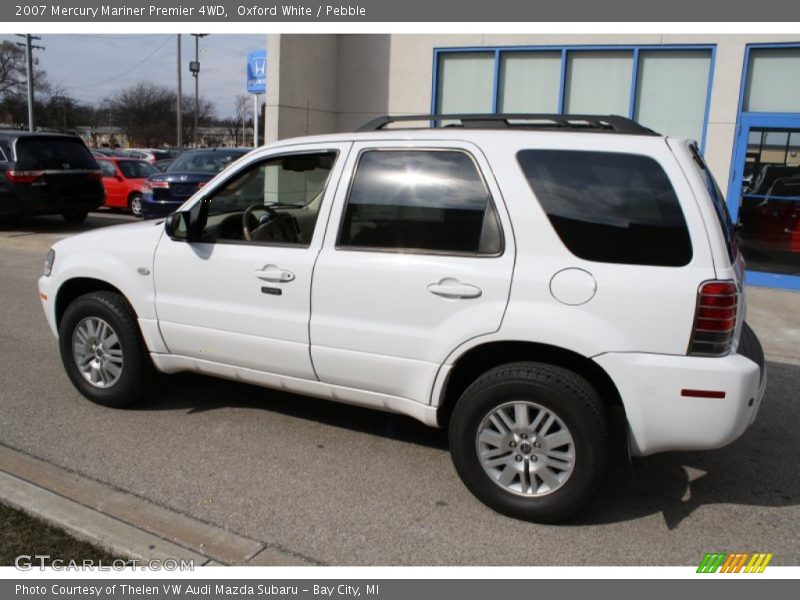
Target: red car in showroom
<point>125,180</point>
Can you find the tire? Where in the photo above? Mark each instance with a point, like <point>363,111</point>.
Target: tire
<point>549,482</point>
<point>102,325</point>
<point>135,205</point>
<point>75,216</point>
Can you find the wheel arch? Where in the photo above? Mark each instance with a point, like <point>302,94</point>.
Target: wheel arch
<point>73,288</point>
<point>479,359</point>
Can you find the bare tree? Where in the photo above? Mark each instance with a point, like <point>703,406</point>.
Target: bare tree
<point>14,85</point>
<point>205,116</point>
<point>13,74</point>
<point>146,112</point>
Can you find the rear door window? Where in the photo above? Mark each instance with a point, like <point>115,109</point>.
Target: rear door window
<point>53,154</point>
<point>610,207</point>
<point>420,201</point>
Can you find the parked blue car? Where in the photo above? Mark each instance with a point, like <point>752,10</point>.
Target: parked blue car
<point>190,171</point>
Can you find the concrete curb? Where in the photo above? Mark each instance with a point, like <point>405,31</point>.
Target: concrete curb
<point>123,523</point>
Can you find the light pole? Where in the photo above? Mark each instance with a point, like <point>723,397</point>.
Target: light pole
<point>29,67</point>
<point>180,97</point>
<point>194,67</point>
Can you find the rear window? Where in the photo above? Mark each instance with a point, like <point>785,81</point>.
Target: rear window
<point>54,153</point>
<point>206,162</point>
<point>610,207</point>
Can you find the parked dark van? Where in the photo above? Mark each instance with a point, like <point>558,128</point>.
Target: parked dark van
<point>45,174</point>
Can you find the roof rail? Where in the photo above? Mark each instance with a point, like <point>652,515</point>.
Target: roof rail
<point>557,122</point>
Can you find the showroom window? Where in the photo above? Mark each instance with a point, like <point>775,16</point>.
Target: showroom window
<point>663,87</point>
<point>466,83</point>
<point>598,82</point>
<point>529,82</point>
<point>769,86</point>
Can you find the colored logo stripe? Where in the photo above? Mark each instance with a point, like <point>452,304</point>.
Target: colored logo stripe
<point>758,563</point>
<point>734,562</point>
<point>711,562</point>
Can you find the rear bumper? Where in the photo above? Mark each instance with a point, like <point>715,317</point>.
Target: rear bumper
<point>660,418</point>
<point>156,209</point>
<point>11,205</point>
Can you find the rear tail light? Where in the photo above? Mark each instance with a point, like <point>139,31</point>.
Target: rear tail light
<point>161,185</point>
<point>96,174</point>
<point>24,176</point>
<point>146,188</point>
<point>201,184</point>
<point>715,318</point>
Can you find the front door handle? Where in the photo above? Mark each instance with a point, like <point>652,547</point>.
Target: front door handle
<point>453,288</point>
<point>275,274</point>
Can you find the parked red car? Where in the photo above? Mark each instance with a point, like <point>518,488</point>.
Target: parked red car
<point>125,180</point>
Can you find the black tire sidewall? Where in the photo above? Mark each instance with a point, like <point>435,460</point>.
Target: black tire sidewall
<point>122,391</point>
<point>589,441</point>
<point>78,216</point>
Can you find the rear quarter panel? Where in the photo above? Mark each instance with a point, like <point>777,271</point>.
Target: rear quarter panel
<point>636,308</point>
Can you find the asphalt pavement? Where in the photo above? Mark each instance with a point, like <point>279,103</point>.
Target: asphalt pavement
<point>342,485</point>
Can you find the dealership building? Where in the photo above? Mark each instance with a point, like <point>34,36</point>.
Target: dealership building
<point>737,95</point>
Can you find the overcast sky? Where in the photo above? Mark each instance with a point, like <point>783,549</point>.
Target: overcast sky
<point>92,66</point>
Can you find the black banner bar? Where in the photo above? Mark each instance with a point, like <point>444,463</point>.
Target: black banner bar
<point>730,588</point>
<point>449,11</point>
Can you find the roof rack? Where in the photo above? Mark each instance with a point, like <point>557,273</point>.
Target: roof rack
<point>553,122</point>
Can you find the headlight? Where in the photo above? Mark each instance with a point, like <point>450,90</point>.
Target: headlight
<point>48,262</point>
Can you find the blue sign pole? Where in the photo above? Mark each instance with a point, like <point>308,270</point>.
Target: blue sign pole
<point>257,72</point>
<point>256,83</point>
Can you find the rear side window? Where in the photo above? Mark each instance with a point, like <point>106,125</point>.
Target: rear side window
<point>136,169</point>
<point>720,208</point>
<point>107,168</point>
<point>609,207</point>
<point>420,200</point>
<point>53,153</point>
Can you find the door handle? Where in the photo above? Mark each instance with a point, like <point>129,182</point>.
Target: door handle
<point>275,274</point>
<point>453,288</point>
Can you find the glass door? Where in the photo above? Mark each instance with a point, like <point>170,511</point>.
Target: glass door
<point>764,198</point>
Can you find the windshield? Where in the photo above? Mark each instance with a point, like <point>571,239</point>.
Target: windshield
<point>207,162</point>
<point>136,169</point>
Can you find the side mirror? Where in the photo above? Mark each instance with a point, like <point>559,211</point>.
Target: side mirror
<point>118,176</point>
<point>177,225</point>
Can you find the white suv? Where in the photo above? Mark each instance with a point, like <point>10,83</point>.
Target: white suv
<point>521,280</point>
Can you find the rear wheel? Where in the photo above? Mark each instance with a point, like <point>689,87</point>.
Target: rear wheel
<point>103,351</point>
<point>135,205</point>
<point>530,440</point>
<point>75,216</point>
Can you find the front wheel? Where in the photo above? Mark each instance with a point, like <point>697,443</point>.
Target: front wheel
<point>102,350</point>
<point>530,440</point>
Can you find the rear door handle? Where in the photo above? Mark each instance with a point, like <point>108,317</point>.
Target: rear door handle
<point>453,288</point>
<point>275,274</point>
